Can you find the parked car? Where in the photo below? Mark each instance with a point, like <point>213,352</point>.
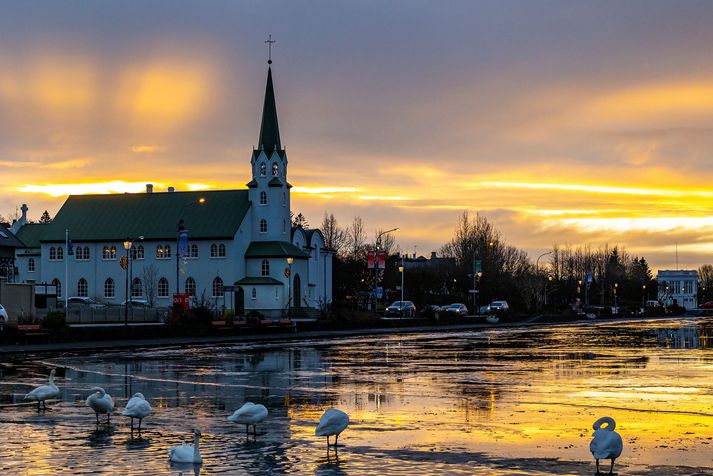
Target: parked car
<point>499,306</point>
<point>3,314</point>
<point>457,309</point>
<point>707,305</point>
<point>401,308</point>
<point>136,303</point>
<point>85,301</point>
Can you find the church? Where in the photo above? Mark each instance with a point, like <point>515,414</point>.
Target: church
<point>232,249</point>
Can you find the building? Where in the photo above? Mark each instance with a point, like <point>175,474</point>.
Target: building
<point>679,287</point>
<point>242,252</point>
<point>420,262</point>
<point>9,243</point>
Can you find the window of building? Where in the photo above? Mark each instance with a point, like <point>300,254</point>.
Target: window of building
<point>137,252</point>
<point>221,250</point>
<point>275,170</point>
<point>82,288</point>
<point>284,226</point>
<point>284,199</point>
<point>218,287</point>
<point>263,226</point>
<point>213,250</point>
<point>265,271</point>
<point>60,253</point>
<point>105,252</point>
<point>163,251</point>
<point>53,253</point>
<point>190,287</point>
<point>254,293</point>
<point>112,252</point>
<point>31,265</point>
<point>137,288</point>
<point>81,253</point>
<point>263,169</point>
<point>58,285</point>
<point>109,288</point>
<point>263,198</point>
<point>194,251</point>
<point>163,288</point>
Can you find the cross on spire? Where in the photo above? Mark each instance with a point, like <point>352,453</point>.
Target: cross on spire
<point>269,42</point>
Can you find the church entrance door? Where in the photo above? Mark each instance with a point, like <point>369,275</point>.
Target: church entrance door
<point>297,292</point>
<point>239,301</point>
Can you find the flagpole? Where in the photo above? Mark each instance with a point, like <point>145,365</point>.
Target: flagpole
<point>66,272</point>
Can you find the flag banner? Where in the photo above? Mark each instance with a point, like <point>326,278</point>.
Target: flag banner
<point>70,248</point>
<point>382,260</point>
<point>183,243</point>
<point>370,259</point>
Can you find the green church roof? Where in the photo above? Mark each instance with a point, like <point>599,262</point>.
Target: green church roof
<point>154,216</point>
<point>269,129</point>
<point>274,249</point>
<point>31,233</point>
<point>257,280</point>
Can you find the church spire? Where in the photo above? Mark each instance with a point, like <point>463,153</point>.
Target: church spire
<point>269,129</point>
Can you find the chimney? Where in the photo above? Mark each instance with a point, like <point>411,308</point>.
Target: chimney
<point>21,222</point>
<point>149,188</point>
<point>433,255</point>
<point>171,189</point>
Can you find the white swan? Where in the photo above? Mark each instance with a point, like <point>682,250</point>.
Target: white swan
<point>100,402</point>
<point>137,407</point>
<point>333,422</point>
<point>249,414</point>
<point>606,443</point>
<point>187,453</point>
<point>44,392</point>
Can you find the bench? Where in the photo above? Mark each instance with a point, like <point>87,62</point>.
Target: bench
<point>279,324</point>
<point>31,332</point>
<point>221,326</point>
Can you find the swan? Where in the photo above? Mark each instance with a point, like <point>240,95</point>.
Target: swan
<point>101,402</point>
<point>333,422</point>
<point>44,392</point>
<point>187,453</point>
<point>249,414</point>
<point>606,443</point>
<point>137,407</point>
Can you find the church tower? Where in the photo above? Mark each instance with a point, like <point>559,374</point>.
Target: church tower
<point>269,190</point>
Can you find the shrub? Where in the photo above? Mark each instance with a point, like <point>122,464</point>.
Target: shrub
<point>54,321</point>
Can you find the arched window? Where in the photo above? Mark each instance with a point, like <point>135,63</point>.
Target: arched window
<point>53,253</point>
<point>167,251</point>
<point>82,288</point>
<point>194,250</point>
<point>140,252</point>
<point>159,251</point>
<point>105,253</point>
<point>221,250</point>
<point>218,287</point>
<point>213,250</point>
<point>163,288</point>
<point>275,170</point>
<point>60,253</point>
<point>284,199</point>
<point>263,169</point>
<point>136,288</point>
<point>254,293</point>
<point>112,252</point>
<point>82,253</point>
<point>190,286</point>
<point>263,226</point>
<point>263,198</point>
<point>109,288</point>
<point>265,268</point>
<point>31,265</point>
<point>58,285</point>
<point>284,226</point>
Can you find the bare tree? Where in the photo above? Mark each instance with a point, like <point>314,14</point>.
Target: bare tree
<point>356,238</point>
<point>149,281</point>
<point>334,237</point>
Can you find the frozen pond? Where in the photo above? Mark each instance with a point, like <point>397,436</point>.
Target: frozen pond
<point>505,401</point>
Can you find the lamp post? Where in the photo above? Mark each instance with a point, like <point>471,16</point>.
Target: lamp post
<point>643,296</point>
<point>616,286</point>
<point>127,247</point>
<point>537,273</point>
<point>290,259</point>
<point>180,228</point>
<point>376,267</point>
<point>401,270</point>
<point>549,280</point>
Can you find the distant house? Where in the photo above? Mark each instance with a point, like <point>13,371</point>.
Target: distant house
<point>679,287</point>
<point>420,262</point>
<point>8,244</point>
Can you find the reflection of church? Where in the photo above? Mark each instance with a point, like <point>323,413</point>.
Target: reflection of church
<point>242,250</point>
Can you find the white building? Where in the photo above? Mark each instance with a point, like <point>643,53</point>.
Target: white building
<point>679,286</point>
<point>241,238</point>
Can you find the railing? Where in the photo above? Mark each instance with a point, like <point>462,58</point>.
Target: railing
<point>112,314</point>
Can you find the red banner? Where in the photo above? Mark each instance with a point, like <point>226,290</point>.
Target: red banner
<point>370,259</point>
<point>382,260</point>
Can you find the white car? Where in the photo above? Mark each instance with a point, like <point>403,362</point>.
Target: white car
<point>85,301</point>
<point>3,314</point>
<point>499,306</point>
<point>136,303</point>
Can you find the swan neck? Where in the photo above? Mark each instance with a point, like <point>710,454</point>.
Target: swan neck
<point>51,380</point>
<point>196,449</point>
<point>611,424</point>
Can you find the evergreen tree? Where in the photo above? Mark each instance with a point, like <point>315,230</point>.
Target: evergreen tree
<point>45,218</point>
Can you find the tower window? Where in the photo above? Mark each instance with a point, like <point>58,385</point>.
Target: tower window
<point>284,199</point>
<point>263,198</point>
<point>263,226</point>
<point>275,170</point>
<point>254,293</point>
<point>265,271</point>
<point>263,169</point>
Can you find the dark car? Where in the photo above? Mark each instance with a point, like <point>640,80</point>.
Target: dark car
<point>707,305</point>
<point>401,308</point>
<point>456,309</point>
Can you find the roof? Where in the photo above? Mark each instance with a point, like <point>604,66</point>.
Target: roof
<point>257,280</point>
<point>154,216</point>
<point>31,233</point>
<point>274,249</point>
<point>8,240</point>
<point>275,182</point>
<point>269,129</point>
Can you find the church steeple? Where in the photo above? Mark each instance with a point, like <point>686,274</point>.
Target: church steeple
<point>269,129</point>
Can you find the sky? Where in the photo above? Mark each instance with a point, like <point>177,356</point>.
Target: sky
<point>565,122</point>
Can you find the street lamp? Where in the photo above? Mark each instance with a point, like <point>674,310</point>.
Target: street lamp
<point>180,228</point>
<point>376,266</point>
<point>401,270</point>
<point>127,247</point>
<point>537,274</point>
<point>616,286</point>
<point>549,280</point>
<point>290,259</point>
<point>643,295</point>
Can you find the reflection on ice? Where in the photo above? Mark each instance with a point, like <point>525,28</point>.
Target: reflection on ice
<point>505,401</point>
